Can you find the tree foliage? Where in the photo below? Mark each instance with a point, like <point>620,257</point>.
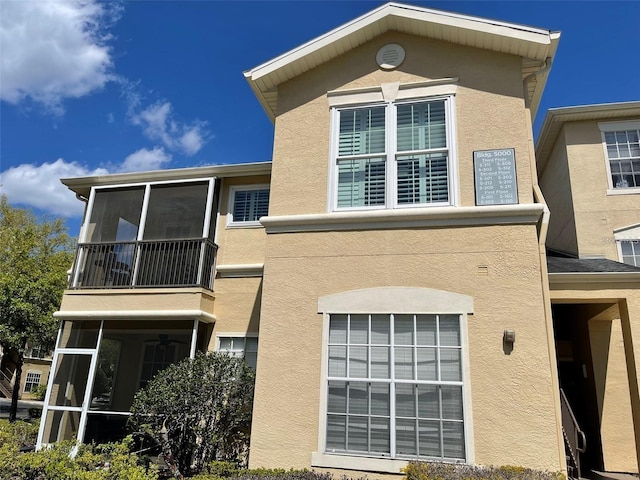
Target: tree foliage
<point>199,410</point>
<point>35,255</point>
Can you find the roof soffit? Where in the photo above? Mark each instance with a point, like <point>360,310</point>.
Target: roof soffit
<point>533,44</point>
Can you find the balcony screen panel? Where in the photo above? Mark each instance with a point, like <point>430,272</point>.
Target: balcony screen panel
<point>115,216</point>
<point>70,380</point>
<point>176,211</point>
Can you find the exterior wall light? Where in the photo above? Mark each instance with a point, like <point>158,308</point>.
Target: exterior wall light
<point>509,336</point>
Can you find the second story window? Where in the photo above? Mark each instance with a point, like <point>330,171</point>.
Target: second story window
<point>247,205</point>
<point>622,145</point>
<point>393,155</point>
<point>630,252</point>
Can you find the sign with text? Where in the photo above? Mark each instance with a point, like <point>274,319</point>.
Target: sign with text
<point>495,176</point>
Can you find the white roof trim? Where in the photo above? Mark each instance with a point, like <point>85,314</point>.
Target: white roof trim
<point>630,232</point>
<point>557,117</point>
<point>137,314</point>
<point>449,19</point>
<point>528,42</point>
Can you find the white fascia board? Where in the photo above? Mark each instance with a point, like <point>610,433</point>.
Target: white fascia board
<point>176,174</point>
<point>136,315</point>
<point>594,277</point>
<point>408,12</point>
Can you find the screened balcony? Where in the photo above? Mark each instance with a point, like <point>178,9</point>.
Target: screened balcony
<point>148,235</point>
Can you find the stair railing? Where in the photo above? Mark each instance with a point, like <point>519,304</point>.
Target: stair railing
<point>574,438</point>
<point>6,384</point>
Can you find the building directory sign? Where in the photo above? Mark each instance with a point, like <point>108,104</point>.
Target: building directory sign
<point>495,177</point>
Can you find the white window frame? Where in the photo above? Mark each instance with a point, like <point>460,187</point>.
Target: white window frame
<point>222,335</point>
<point>31,382</point>
<point>629,233</point>
<point>606,127</point>
<point>383,300</point>
<point>636,242</point>
<point>231,223</point>
<point>401,95</point>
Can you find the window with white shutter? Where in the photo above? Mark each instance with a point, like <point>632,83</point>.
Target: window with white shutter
<point>392,155</point>
<point>395,386</point>
<point>247,205</point>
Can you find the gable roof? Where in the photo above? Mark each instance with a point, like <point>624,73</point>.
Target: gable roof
<point>557,117</point>
<point>535,45</point>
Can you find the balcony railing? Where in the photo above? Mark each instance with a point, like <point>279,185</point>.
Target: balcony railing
<point>166,263</point>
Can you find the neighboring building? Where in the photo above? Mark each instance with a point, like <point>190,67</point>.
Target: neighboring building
<point>386,273</point>
<point>589,170</point>
<point>35,372</point>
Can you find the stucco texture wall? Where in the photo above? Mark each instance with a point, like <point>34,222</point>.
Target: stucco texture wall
<point>616,367</point>
<point>237,306</point>
<point>140,299</point>
<point>614,400</point>
<point>596,213</point>
<point>555,182</point>
<point>512,394</point>
<point>238,245</point>
<point>489,114</point>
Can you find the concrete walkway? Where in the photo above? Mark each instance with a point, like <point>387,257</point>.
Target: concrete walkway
<point>23,408</point>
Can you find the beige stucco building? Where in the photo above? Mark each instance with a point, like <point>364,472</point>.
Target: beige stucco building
<point>386,274</point>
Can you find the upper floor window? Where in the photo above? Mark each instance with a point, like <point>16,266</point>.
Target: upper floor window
<point>392,155</point>
<point>39,352</point>
<point>248,204</point>
<point>630,252</point>
<point>622,144</point>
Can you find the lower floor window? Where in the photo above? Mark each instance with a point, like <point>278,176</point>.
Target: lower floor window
<point>32,381</point>
<point>394,386</point>
<point>241,347</point>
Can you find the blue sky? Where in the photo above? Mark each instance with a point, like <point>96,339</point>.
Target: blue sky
<point>91,88</point>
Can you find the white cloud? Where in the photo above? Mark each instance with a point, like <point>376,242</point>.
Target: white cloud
<point>52,50</point>
<point>145,159</point>
<point>158,124</point>
<point>39,186</point>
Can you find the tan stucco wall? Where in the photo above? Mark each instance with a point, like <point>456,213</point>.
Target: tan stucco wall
<point>513,411</point>
<point>238,245</point>
<point>489,114</point>
<point>596,213</point>
<point>619,447</point>
<point>237,306</point>
<point>614,401</point>
<point>139,299</point>
<point>555,182</point>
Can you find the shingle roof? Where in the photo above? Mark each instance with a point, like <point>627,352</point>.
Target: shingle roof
<point>587,265</point>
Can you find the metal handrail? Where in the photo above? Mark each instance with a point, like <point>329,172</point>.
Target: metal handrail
<point>185,262</point>
<point>6,384</point>
<point>574,436</point>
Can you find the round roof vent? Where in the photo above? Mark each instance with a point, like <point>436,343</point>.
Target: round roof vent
<point>390,56</point>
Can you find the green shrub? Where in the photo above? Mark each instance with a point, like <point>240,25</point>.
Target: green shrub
<point>39,392</point>
<point>92,462</point>
<point>221,471</point>
<point>198,410</point>
<point>452,471</point>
